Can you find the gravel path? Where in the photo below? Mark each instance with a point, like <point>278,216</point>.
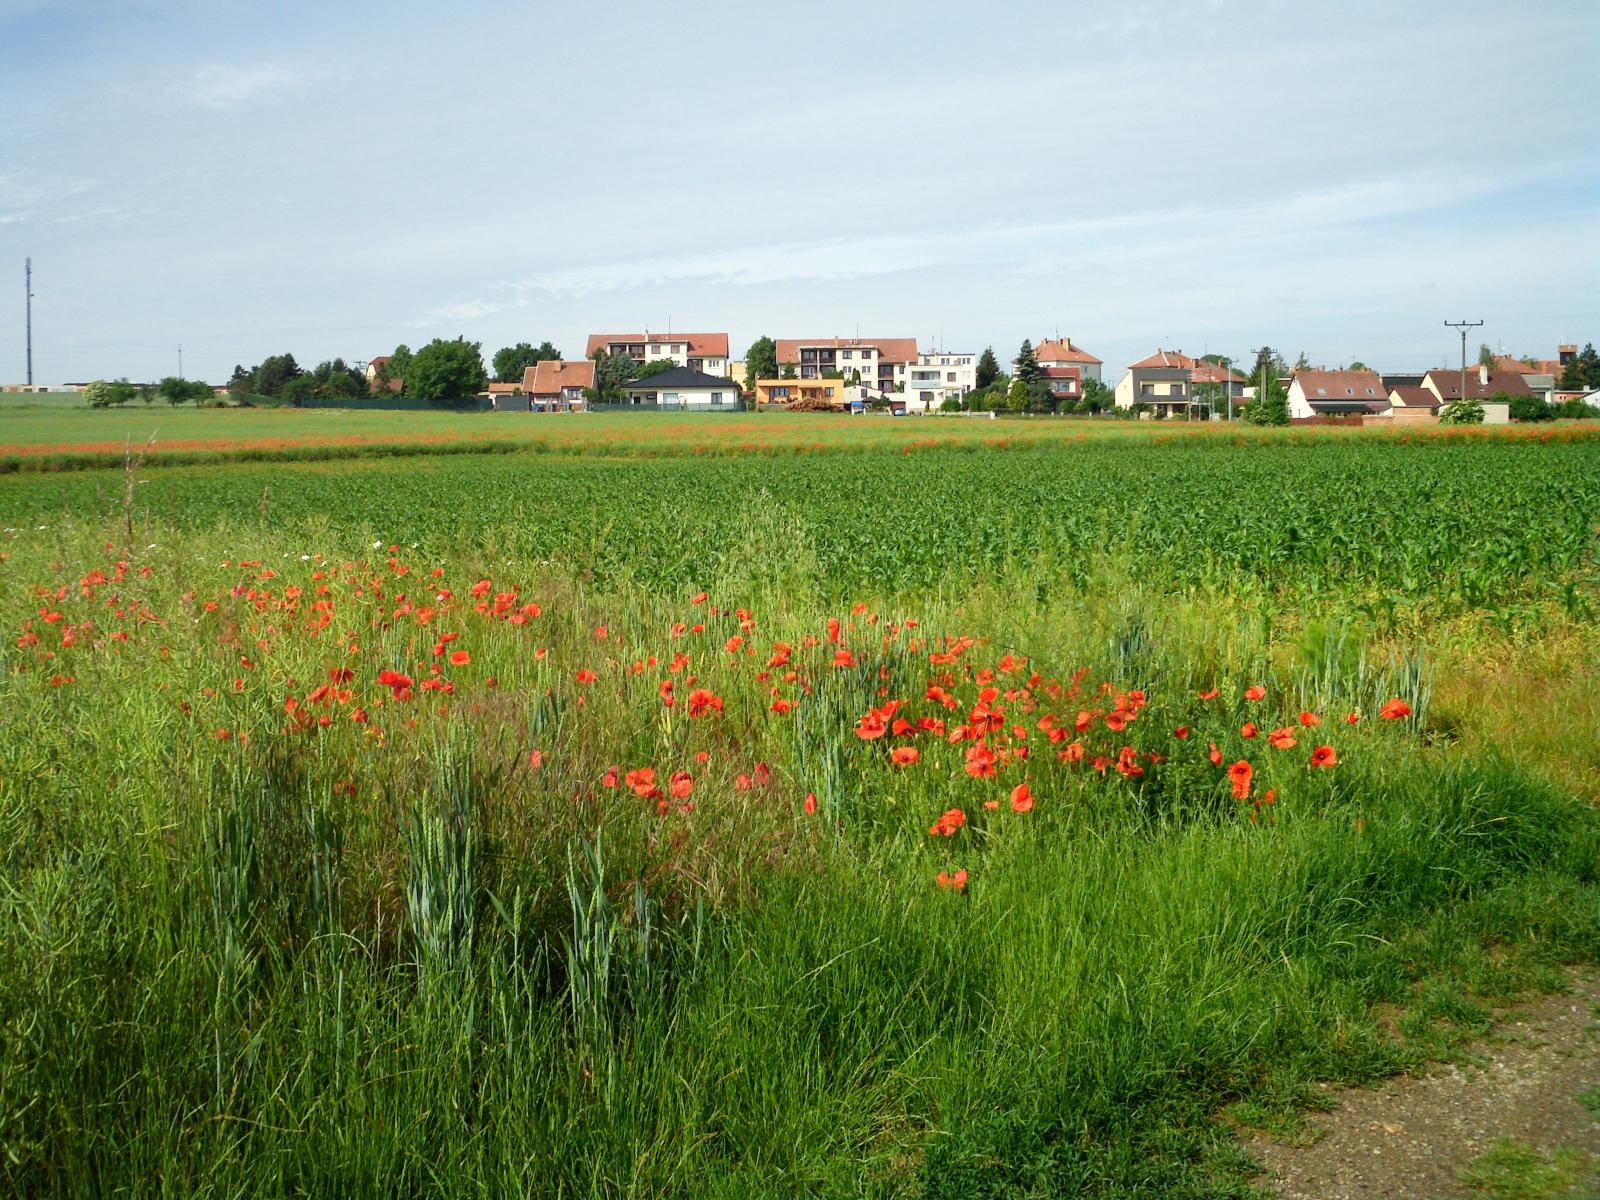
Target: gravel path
<point>1409,1136</point>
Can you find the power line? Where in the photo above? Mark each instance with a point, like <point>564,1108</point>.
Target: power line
<point>1463,326</point>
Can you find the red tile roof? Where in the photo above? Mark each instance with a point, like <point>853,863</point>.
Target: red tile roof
<point>889,349</point>
<point>504,389</point>
<point>1165,358</point>
<point>701,345</point>
<point>1447,383</point>
<point>1413,397</point>
<point>549,377</point>
<point>1062,351</point>
<point>1340,385</point>
<point>1062,372</point>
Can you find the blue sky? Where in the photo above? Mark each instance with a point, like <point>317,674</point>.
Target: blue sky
<point>333,179</point>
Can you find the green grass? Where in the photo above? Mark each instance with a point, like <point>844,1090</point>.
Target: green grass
<point>391,957</point>
<point>1512,1170</point>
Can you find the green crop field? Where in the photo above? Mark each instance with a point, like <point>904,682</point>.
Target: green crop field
<point>661,810</point>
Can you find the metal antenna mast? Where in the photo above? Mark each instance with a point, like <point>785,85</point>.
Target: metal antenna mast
<point>1463,326</point>
<point>27,287</point>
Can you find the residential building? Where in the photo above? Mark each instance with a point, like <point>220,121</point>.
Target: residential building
<point>705,352</point>
<point>1411,404</point>
<point>1322,393</point>
<point>683,388</point>
<point>1065,383</point>
<point>939,375</point>
<point>1483,385</point>
<point>507,397</point>
<point>1160,382</point>
<point>556,385</point>
<point>882,362</point>
<point>377,365</point>
<point>809,393</point>
<point>736,370</point>
<point>1060,352</point>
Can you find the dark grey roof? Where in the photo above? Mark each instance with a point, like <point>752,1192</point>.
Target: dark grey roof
<point>678,378</point>
<point>1406,380</point>
<point>1349,406</point>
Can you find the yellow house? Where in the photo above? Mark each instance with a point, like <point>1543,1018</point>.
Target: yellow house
<point>782,393</point>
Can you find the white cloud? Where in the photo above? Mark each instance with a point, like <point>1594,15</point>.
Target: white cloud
<point>225,87</point>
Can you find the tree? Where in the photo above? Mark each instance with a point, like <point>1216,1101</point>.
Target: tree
<point>177,391</point>
<point>1302,363</point>
<point>1583,372</point>
<point>611,371</point>
<point>1097,397</point>
<point>1463,412</point>
<point>988,367</point>
<point>274,373</point>
<point>337,379</point>
<point>1358,365</point>
<point>114,394</point>
<point>950,404</point>
<point>1019,394</point>
<point>760,362</point>
<point>789,372</point>
<point>447,371</point>
<point>511,361</point>
<point>399,362</point>
<point>298,390</point>
<point>1027,365</point>
<point>1485,355</point>
<point>656,366</point>
<point>833,373</point>
<point>1574,408</point>
<point>1528,408</point>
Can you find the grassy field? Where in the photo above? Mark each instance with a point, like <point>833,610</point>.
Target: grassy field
<point>44,439</point>
<point>983,820</point>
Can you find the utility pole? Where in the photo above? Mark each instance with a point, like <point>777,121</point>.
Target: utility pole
<point>1227,384</point>
<point>180,360</point>
<point>27,287</point>
<point>1463,326</point>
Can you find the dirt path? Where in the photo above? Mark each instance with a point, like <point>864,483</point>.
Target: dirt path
<point>1410,1136</point>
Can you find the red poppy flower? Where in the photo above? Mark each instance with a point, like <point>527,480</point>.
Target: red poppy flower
<point>586,676</point>
<point>681,783</point>
<point>536,759</point>
<point>1324,756</point>
<point>1240,774</point>
<point>1282,739</point>
<point>1310,720</point>
<point>1181,733</point>
<point>948,823</point>
<point>702,701</point>
<point>1248,730</point>
<point>1210,695</point>
<point>1255,692</point>
<point>1214,754</point>
<point>956,881</point>
<point>811,802</point>
<point>904,756</point>
<point>1021,799</point>
<point>1395,709</point>
<point>460,658</point>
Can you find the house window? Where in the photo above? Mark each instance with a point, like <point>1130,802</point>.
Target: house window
<point>927,397</point>
<point>950,377</point>
<point>716,397</point>
<point>669,397</point>
<point>844,354</point>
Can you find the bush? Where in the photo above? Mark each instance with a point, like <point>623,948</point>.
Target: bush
<point>1575,409</point>
<point>1463,412</point>
<point>1530,408</point>
<point>951,404</point>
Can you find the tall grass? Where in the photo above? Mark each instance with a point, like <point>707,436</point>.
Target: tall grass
<point>225,972</point>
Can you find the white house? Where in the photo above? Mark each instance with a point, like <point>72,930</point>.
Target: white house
<point>939,375</point>
<point>1062,353</point>
<point>707,352</point>
<point>1161,382</point>
<point>883,362</point>
<point>683,388</point>
<point>1336,393</point>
